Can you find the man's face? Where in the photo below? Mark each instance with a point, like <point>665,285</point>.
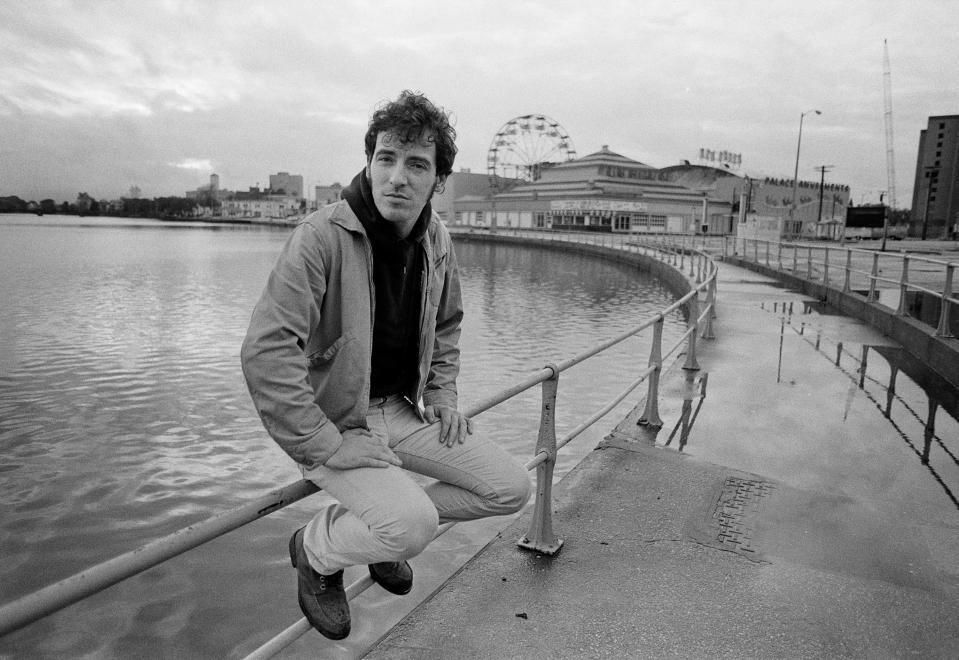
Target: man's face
<point>403,177</point>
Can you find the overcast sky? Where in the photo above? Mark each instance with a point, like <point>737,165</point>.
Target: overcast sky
<point>98,96</point>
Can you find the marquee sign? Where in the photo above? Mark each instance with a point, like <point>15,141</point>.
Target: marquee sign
<point>596,205</point>
<point>720,156</point>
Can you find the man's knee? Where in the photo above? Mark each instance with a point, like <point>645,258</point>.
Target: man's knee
<point>516,492</point>
<point>410,530</point>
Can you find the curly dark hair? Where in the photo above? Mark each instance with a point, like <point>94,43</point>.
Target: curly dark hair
<point>411,117</point>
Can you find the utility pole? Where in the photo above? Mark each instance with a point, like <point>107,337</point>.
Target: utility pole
<point>822,183</point>
<point>885,222</point>
<point>887,115</point>
<point>792,207</point>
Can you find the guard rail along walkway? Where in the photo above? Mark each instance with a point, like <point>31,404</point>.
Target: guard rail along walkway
<point>908,297</point>
<point>677,254</point>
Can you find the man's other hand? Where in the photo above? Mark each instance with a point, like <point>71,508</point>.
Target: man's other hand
<point>361,449</point>
<point>454,425</point>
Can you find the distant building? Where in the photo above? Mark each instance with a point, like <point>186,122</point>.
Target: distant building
<point>286,183</point>
<point>467,184</point>
<point>327,194</point>
<point>604,191</point>
<point>260,204</point>
<point>935,192</point>
<point>211,191</point>
<point>769,197</point>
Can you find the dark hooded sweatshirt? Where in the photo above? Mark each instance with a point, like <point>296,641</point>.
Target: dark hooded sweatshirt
<point>397,272</point>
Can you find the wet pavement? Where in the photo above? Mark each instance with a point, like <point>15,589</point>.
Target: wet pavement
<point>794,504</point>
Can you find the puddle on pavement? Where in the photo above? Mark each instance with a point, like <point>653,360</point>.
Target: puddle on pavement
<point>920,407</point>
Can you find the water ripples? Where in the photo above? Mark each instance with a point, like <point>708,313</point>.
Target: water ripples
<point>124,415</point>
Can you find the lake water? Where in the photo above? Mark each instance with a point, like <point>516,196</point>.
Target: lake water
<point>124,417</point>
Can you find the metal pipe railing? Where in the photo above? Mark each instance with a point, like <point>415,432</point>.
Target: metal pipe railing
<point>96,578</point>
<point>34,606</point>
<point>871,278</point>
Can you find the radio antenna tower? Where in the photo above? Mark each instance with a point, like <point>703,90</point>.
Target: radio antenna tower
<point>890,158</point>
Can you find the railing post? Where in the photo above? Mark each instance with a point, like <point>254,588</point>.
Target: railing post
<point>540,535</point>
<point>710,302</point>
<point>929,431</point>
<point>795,258</point>
<point>809,263</point>
<point>846,284</point>
<point>779,255</point>
<point>825,267</point>
<point>693,328</point>
<point>712,288</point>
<point>862,365</point>
<point>903,287</point>
<point>943,329</point>
<point>891,390</point>
<point>767,254</point>
<point>872,277</point>
<point>650,415</point>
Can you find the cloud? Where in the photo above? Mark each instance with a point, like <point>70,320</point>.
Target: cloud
<point>202,164</point>
<point>110,93</point>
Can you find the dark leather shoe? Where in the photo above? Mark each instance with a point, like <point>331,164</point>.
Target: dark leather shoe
<point>322,597</point>
<point>394,576</point>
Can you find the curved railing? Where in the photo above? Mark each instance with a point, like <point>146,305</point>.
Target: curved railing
<point>672,251</point>
<point>884,277</point>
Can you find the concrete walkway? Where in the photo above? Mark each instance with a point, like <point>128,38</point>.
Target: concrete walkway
<point>789,519</point>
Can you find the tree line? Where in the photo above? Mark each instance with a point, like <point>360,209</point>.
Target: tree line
<point>129,207</point>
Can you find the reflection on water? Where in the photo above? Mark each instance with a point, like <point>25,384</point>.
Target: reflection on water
<point>900,386</point>
<point>694,390</point>
<point>124,416</point>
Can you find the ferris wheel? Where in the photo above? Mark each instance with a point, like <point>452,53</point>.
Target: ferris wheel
<point>527,145</point>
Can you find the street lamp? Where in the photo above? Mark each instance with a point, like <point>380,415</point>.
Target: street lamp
<point>792,208</point>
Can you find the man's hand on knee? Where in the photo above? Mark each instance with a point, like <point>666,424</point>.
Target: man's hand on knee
<point>361,449</point>
<point>454,425</point>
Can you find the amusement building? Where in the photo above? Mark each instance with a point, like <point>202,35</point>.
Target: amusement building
<point>535,180</point>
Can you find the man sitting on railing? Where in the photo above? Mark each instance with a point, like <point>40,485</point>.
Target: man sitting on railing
<point>358,326</point>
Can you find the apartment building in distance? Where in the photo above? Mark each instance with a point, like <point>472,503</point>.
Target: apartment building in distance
<point>287,184</point>
<point>935,193</point>
<point>264,204</point>
<point>327,194</point>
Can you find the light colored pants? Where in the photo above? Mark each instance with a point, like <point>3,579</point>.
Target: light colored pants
<point>382,514</point>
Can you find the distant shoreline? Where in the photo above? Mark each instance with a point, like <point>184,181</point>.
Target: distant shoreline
<point>286,222</point>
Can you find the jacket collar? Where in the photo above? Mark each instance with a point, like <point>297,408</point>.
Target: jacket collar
<point>344,216</point>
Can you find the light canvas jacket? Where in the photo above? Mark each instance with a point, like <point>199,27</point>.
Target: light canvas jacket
<point>306,356</point>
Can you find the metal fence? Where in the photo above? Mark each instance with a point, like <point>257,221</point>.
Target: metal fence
<point>699,305</point>
<point>910,284</point>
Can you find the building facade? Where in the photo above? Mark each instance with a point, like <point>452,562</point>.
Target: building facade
<point>820,206</point>
<point>324,195</point>
<point>603,191</point>
<point>287,184</point>
<point>467,184</point>
<point>935,191</point>
<point>260,204</point>
<point>208,193</point>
